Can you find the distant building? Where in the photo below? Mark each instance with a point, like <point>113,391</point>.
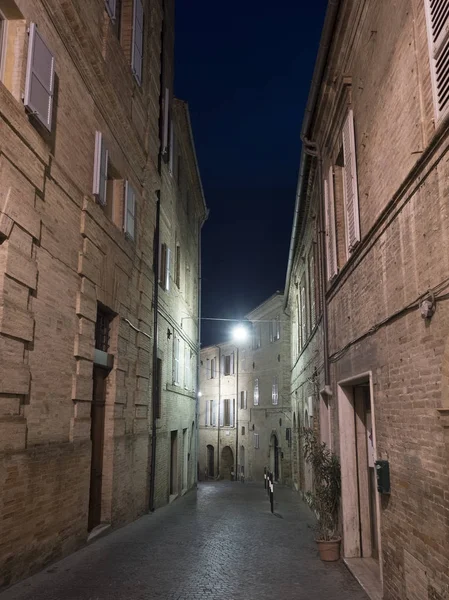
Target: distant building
<point>367,287</point>
<point>245,415</point>
<point>87,147</point>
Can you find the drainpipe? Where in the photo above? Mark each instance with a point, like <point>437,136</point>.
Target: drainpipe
<point>155,383</point>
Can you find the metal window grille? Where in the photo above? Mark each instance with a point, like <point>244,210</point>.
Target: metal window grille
<point>102,327</point>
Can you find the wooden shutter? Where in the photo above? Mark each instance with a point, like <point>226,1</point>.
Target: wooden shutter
<point>130,211</point>
<point>167,268</point>
<point>303,315</point>
<point>40,78</point>
<point>256,392</point>
<point>274,393</point>
<point>256,440</point>
<point>214,413</point>
<point>221,413</point>
<point>350,184</point>
<point>245,399</point>
<point>312,288</point>
<point>175,360</point>
<point>222,366</point>
<point>137,44</point>
<point>271,331</point>
<point>231,412</point>
<point>438,25</point>
<point>100,168</point>
<point>206,421</point>
<point>231,366</point>
<point>331,242</point>
<point>166,120</point>
<point>171,162</point>
<point>110,7</point>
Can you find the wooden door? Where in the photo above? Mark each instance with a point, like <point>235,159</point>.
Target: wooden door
<point>97,437</point>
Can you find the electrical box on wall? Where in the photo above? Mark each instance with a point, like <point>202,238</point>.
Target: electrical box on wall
<point>383,476</point>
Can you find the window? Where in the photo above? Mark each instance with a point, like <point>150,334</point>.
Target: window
<point>176,356</point>
<point>137,41</point>
<point>256,392</point>
<point>243,399</point>
<point>350,187</point>
<point>437,14</point>
<point>257,340</point>
<point>331,238</point>
<point>164,267</point>
<point>275,329</point>
<point>227,413</point>
<point>303,313</point>
<point>165,121</point>
<point>187,368</point>
<point>312,290</point>
<point>288,436</point>
<point>243,430</point>
<point>2,38</point>
<point>178,266</point>
<point>40,75</point>
<point>256,440</point>
<point>157,407</point>
<point>275,390</point>
<point>102,326</point>
<point>188,284</point>
<point>213,368</point>
<point>210,413</point>
<point>228,364</point>
<point>130,212</point>
<point>110,6</point>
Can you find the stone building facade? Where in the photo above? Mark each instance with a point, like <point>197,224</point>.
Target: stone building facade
<point>245,414</point>
<point>182,214</point>
<point>85,106</point>
<point>374,174</point>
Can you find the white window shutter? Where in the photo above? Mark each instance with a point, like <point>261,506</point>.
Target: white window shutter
<point>130,211</point>
<point>221,413</point>
<point>437,13</point>
<point>167,268</point>
<point>231,368</point>
<point>231,412</point>
<point>206,422</point>
<point>350,186</point>
<point>40,78</point>
<point>166,120</point>
<point>303,315</point>
<point>137,43</point>
<point>172,147</point>
<point>331,242</point>
<point>222,366</point>
<point>214,413</point>
<point>100,169</point>
<point>245,399</point>
<point>110,7</point>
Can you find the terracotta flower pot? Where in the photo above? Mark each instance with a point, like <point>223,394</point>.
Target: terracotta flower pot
<point>329,550</point>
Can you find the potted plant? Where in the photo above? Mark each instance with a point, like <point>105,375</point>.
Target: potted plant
<point>325,497</point>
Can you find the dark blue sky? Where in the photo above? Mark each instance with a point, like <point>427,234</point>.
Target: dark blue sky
<point>245,69</point>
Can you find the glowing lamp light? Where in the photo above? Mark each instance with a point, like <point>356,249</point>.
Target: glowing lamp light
<point>240,333</point>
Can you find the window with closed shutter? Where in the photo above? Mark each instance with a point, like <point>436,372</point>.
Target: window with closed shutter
<point>227,412</point>
<point>206,421</point>
<point>110,6</point>
<point>130,211</point>
<point>100,169</point>
<point>312,288</point>
<point>39,82</point>
<point>437,13</point>
<point>137,42</point>
<point>331,238</point>
<point>350,187</point>
<point>187,372</point>
<point>167,269</point>
<point>256,440</point>
<point>256,391</point>
<point>303,314</point>
<point>243,399</point>
<point>214,413</point>
<point>166,120</point>
<point>176,357</point>
<point>275,391</point>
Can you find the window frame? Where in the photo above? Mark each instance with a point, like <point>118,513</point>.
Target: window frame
<point>437,48</point>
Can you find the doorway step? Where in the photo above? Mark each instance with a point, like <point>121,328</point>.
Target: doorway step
<point>367,573</point>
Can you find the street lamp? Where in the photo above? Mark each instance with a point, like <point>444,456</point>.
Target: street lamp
<point>240,335</point>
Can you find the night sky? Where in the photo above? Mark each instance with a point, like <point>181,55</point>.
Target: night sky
<point>245,69</point>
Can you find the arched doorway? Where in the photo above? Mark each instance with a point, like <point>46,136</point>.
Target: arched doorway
<point>210,462</point>
<point>227,462</point>
<point>274,456</point>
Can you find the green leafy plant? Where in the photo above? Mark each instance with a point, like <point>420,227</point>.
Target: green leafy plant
<point>325,497</point>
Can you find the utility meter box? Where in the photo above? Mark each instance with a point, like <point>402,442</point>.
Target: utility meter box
<point>383,476</point>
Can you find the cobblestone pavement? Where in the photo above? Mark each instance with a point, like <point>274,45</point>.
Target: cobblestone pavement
<point>219,543</point>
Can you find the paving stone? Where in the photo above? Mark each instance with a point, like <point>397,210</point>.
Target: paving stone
<point>220,542</point>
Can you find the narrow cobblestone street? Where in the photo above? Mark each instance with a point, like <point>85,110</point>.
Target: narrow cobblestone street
<point>220,542</point>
